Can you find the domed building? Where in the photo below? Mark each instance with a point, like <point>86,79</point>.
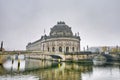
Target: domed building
<point>60,40</point>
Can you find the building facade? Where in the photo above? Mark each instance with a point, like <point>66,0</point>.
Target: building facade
<point>59,40</point>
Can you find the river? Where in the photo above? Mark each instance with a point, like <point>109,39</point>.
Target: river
<point>31,69</point>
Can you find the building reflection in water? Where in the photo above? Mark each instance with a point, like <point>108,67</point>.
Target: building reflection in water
<point>47,70</point>
<point>31,69</point>
<point>56,71</point>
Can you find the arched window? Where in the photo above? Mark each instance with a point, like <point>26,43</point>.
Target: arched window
<point>53,49</point>
<point>67,49</point>
<point>73,49</point>
<point>48,49</point>
<point>60,49</point>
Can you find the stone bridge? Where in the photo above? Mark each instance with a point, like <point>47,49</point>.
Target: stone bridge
<point>110,57</point>
<point>43,56</point>
<point>59,57</point>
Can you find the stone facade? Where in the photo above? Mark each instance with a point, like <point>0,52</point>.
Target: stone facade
<point>60,40</point>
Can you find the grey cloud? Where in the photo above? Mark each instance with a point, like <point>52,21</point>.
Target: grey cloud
<point>22,21</point>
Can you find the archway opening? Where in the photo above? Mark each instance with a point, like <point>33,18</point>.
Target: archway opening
<point>73,49</point>
<point>48,49</point>
<point>67,49</point>
<point>53,49</point>
<point>60,49</point>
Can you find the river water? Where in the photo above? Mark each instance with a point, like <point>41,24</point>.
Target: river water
<point>31,69</point>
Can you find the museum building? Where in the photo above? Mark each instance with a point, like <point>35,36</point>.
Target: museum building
<point>60,40</point>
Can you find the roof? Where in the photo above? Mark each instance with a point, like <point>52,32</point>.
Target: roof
<point>61,29</point>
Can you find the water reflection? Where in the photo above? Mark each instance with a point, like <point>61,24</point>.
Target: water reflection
<point>19,77</point>
<point>31,69</point>
<point>64,71</point>
<point>16,65</point>
<point>108,71</point>
<point>56,71</point>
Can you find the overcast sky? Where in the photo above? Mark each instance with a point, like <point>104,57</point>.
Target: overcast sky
<point>23,21</point>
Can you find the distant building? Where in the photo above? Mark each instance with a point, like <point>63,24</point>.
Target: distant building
<point>60,40</point>
<point>95,49</point>
<point>105,49</point>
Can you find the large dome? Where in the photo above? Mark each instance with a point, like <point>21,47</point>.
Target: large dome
<point>61,30</point>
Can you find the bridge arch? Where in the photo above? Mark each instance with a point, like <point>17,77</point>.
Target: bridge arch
<point>57,56</point>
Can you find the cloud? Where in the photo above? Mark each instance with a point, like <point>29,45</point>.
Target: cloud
<point>23,21</point>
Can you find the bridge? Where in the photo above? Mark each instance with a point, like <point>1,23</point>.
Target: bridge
<point>47,56</point>
<point>61,56</point>
<point>56,57</point>
<point>110,57</point>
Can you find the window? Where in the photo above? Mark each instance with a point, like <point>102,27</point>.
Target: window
<point>67,49</point>
<point>73,49</point>
<point>60,49</point>
<point>53,49</point>
<point>48,49</point>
